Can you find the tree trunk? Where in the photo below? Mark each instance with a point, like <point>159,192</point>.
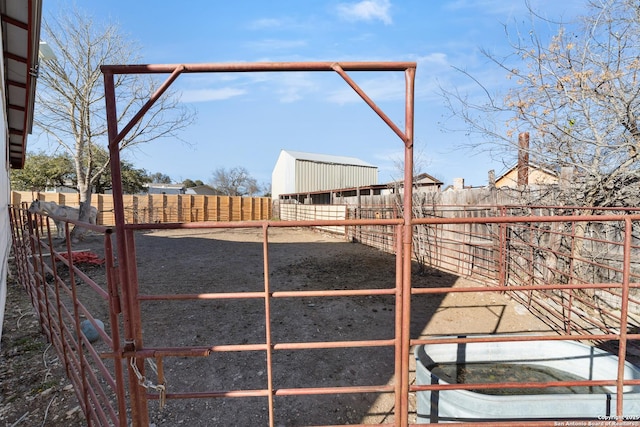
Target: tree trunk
<point>85,209</point>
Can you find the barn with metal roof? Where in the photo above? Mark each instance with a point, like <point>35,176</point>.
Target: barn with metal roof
<point>299,172</point>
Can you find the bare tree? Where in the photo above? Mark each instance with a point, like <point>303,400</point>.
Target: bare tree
<point>578,95</point>
<point>70,107</point>
<point>421,163</point>
<point>235,182</point>
<point>160,178</point>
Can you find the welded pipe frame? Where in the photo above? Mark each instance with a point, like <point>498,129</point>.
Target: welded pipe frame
<point>125,244</point>
<point>126,249</point>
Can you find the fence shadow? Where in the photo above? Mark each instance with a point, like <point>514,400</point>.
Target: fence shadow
<point>206,263</point>
<point>210,345</point>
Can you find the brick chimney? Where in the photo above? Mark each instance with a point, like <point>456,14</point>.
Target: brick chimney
<point>458,183</point>
<point>523,158</point>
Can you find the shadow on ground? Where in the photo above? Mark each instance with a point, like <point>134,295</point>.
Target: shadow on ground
<point>203,263</point>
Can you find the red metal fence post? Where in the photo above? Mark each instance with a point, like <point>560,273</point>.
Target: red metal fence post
<point>139,411</point>
<point>624,313</point>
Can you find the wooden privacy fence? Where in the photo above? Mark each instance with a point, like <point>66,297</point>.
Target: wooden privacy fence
<point>160,208</point>
<point>468,241</point>
<point>297,212</point>
<point>113,388</point>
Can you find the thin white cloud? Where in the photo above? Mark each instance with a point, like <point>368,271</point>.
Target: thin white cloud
<point>433,59</point>
<point>280,23</point>
<point>204,95</point>
<point>378,89</point>
<point>276,44</point>
<point>295,87</point>
<point>287,87</point>
<point>265,23</point>
<point>366,10</point>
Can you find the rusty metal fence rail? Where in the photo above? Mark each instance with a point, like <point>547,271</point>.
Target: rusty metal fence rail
<point>468,249</point>
<point>54,282</point>
<point>116,385</point>
<point>569,298</point>
<point>572,250</point>
<point>478,247</point>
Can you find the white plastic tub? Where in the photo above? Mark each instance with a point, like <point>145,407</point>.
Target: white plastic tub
<point>572,357</point>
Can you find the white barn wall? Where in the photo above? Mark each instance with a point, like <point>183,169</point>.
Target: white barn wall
<point>312,176</point>
<point>297,172</point>
<point>283,175</point>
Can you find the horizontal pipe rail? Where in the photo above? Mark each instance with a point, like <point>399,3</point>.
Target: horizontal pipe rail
<point>255,67</point>
<point>200,351</point>
<point>98,383</point>
<point>275,294</point>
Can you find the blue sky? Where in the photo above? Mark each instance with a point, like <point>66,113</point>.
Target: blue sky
<point>245,120</point>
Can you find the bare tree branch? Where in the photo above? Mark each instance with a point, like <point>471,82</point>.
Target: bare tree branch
<point>70,107</point>
<point>576,94</point>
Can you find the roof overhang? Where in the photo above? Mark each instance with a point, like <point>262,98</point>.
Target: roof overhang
<point>21,37</point>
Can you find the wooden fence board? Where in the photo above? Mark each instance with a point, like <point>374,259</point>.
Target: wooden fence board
<point>151,208</point>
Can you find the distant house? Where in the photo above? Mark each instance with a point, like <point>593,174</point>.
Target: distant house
<point>68,188</point>
<point>205,190</point>
<point>298,172</point>
<point>156,188</point>
<point>421,183</point>
<point>537,175</point>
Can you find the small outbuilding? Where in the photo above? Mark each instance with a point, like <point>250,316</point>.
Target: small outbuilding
<point>203,190</point>
<point>298,172</point>
<point>422,183</point>
<point>157,188</point>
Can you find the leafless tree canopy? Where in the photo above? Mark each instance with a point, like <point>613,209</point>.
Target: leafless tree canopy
<point>234,182</point>
<point>578,97</point>
<point>70,97</point>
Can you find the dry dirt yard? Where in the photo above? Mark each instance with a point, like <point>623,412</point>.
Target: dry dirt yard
<point>198,261</point>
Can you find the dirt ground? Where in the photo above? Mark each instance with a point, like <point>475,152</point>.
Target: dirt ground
<point>198,262</point>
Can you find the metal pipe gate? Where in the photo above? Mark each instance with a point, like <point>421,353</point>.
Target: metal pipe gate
<point>98,374</point>
<point>125,398</point>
